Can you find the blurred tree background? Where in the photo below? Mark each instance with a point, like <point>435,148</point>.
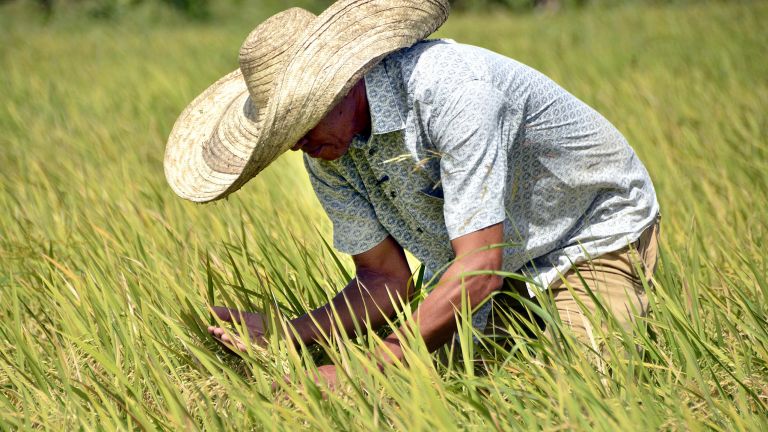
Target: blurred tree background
<point>206,9</point>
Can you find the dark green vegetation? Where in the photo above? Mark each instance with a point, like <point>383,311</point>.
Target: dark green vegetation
<point>207,9</point>
<point>105,274</point>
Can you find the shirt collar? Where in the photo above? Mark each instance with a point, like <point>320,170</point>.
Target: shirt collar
<point>386,115</point>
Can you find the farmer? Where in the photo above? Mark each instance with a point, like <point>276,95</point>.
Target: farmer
<point>435,147</point>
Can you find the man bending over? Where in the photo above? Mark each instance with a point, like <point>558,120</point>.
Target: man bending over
<point>435,147</point>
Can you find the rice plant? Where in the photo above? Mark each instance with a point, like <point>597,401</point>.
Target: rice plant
<point>106,277</point>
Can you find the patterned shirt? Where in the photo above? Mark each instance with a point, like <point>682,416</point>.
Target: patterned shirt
<point>463,138</point>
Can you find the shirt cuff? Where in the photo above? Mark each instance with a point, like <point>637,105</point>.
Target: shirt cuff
<point>359,240</point>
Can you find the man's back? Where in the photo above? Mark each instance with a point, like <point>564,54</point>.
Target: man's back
<point>464,138</point>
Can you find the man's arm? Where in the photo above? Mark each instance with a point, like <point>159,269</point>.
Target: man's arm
<point>436,315</point>
<point>382,276</point>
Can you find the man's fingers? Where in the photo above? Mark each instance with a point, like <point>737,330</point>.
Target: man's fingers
<point>229,341</point>
<point>216,331</point>
<point>233,341</point>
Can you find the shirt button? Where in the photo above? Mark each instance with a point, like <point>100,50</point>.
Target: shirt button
<point>371,151</point>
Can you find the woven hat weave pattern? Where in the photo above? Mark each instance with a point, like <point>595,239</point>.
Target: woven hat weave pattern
<point>294,67</point>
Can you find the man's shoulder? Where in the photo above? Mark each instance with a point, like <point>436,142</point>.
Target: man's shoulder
<point>429,68</point>
<point>437,52</point>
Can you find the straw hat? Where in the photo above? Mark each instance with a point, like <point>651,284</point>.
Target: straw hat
<point>294,67</point>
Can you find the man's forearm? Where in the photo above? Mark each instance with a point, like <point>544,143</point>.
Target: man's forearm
<point>436,316</point>
<point>367,295</point>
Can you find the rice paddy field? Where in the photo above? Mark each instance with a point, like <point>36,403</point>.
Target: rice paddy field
<point>106,276</point>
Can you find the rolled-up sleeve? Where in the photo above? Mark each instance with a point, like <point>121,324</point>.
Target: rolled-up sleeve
<point>473,134</point>
<point>356,229</point>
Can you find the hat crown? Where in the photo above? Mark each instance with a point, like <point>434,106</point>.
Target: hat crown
<point>265,51</point>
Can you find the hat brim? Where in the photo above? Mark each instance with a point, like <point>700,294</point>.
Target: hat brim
<point>191,173</point>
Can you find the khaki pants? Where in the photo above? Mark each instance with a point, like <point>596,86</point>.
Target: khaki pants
<point>615,278</point>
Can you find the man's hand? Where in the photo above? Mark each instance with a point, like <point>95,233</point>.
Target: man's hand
<point>253,322</point>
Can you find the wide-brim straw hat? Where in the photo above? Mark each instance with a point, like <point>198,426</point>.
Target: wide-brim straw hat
<point>294,67</point>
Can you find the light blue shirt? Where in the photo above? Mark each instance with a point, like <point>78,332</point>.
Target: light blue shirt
<point>464,138</point>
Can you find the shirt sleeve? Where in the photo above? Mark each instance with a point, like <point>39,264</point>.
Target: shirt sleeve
<point>356,228</point>
<point>472,133</point>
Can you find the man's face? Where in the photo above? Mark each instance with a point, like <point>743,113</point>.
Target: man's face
<point>330,139</point>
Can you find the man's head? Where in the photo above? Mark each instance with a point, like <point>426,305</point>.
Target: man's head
<point>332,136</point>
<point>293,68</point>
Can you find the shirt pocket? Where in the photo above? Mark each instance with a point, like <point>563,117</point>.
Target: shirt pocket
<point>434,191</point>
<point>425,203</point>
